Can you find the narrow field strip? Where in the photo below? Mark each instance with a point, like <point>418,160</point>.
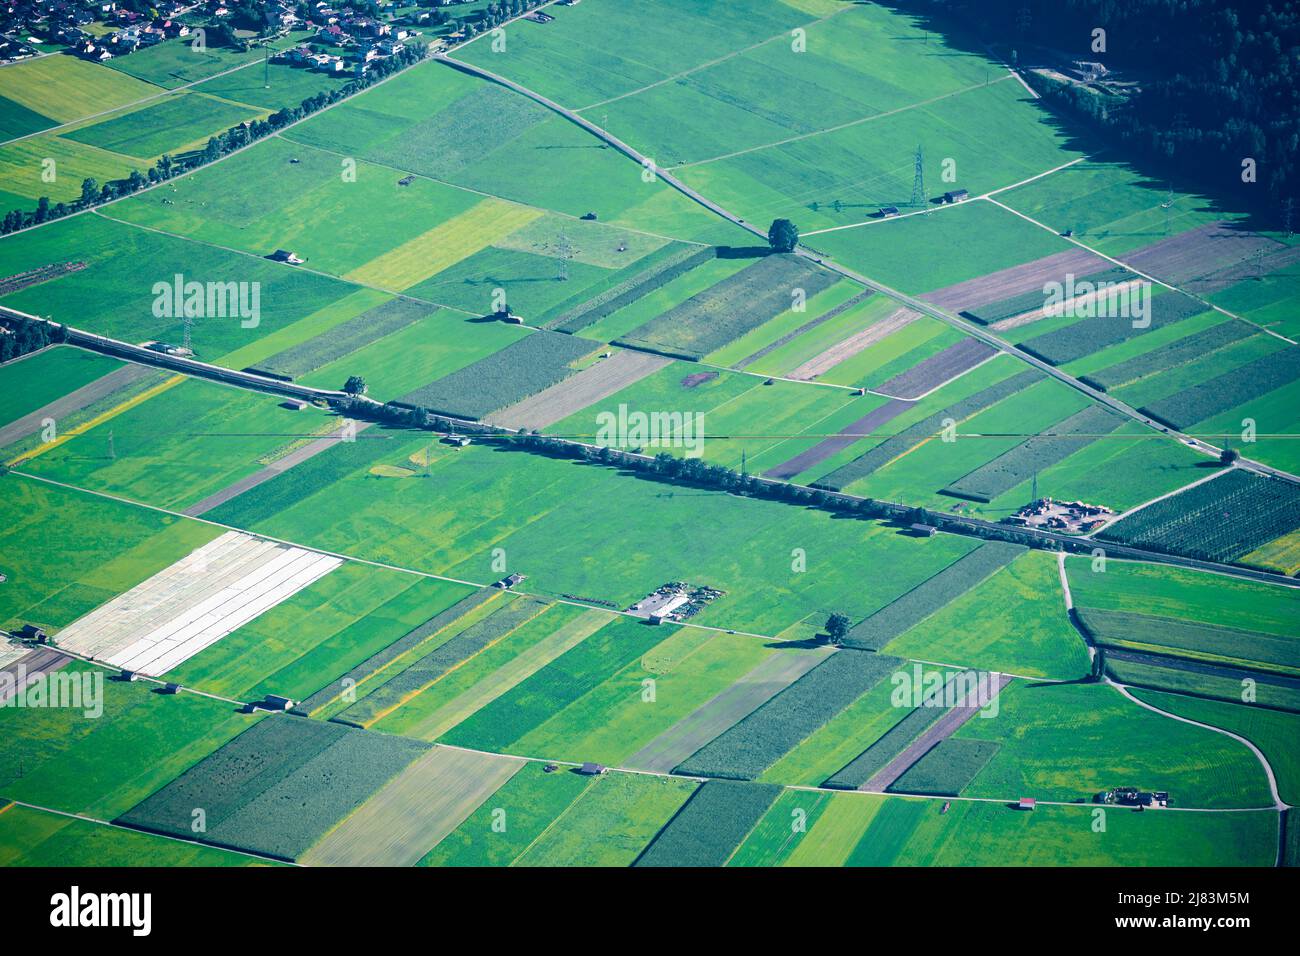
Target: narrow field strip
<point>415,810</point>
<point>98,420</point>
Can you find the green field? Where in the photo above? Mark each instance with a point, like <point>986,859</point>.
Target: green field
<point>433,121</point>
<point>68,759</point>
<point>39,380</point>
<point>66,88</point>
<point>1013,622</point>
<point>54,575</point>
<point>474,684</point>
<point>164,126</point>
<point>114,294</point>
<point>1111,206</point>
<point>1273,732</point>
<point>553,542</point>
<point>181,446</point>
<point>36,838</point>
<point>1071,741</point>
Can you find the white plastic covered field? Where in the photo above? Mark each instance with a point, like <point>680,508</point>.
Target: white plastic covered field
<point>166,620</point>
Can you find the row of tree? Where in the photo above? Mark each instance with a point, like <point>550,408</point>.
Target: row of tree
<point>693,472</point>
<point>93,193</point>
<point>19,336</point>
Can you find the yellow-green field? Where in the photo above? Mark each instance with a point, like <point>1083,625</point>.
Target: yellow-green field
<point>66,88</point>
<point>444,245</point>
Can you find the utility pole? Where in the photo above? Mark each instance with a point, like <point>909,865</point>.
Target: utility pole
<point>918,179</point>
<point>1288,208</point>
<point>565,250</point>
<point>266,67</point>
<point>112,452</point>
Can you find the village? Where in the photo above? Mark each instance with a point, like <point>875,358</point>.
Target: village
<point>338,37</point>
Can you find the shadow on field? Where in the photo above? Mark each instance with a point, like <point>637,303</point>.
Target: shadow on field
<point>974,32</point>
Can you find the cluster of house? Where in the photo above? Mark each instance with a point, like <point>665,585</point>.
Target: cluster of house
<point>139,33</point>
<point>1060,515</point>
<point>1133,797</point>
<point>361,40</point>
<point>25,25</point>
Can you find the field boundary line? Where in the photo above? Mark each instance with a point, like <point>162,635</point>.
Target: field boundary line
<point>99,419</point>
<point>486,195</point>
<point>712,63</point>
<point>1150,278</point>
<point>164,91</point>
<point>923,212</point>
<point>298,267</point>
<point>841,126</point>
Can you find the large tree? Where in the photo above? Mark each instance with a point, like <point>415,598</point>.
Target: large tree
<point>837,628</point>
<point>783,235</point>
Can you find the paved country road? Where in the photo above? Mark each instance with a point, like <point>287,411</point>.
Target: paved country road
<point>919,305</point>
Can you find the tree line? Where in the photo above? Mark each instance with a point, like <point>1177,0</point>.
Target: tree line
<point>19,336</point>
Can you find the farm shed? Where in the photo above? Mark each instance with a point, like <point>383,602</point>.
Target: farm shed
<point>592,769</point>
<point>1027,803</point>
<point>956,195</point>
<point>922,530</point>
<point>888,212</point>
